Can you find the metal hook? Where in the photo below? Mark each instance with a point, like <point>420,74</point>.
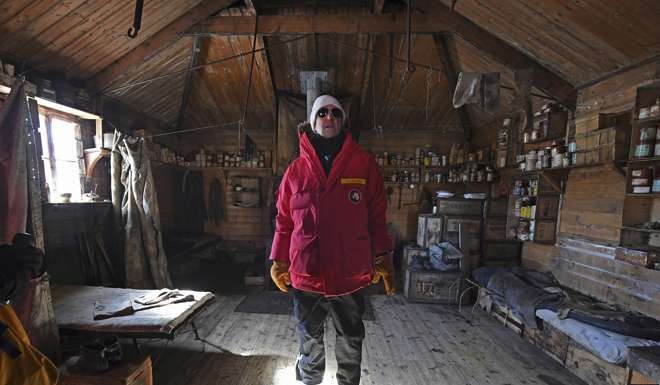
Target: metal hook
<point>137,19</point>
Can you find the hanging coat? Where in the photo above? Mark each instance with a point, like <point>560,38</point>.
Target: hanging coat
<point>330,227</point>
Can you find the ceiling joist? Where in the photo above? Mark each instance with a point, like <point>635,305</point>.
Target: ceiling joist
<point>436,19</point>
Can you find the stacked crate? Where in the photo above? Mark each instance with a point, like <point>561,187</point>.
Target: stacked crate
<point>458,221</point>
<point>602,138</point>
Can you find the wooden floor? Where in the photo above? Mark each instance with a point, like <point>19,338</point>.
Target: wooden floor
<point>407,344</point>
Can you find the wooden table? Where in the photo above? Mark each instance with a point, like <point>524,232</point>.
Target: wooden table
<point>73,305</point>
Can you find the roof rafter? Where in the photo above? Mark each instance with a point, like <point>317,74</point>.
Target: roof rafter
<point>437,18</point>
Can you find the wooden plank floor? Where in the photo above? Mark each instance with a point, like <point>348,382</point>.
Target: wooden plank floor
<point>407,344</point>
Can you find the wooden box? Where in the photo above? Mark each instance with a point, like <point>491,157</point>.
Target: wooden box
<point>135,371</point>
<point>635,257</point>
<point>470,225</point>
<point>471,207</point>
<point>547,206</point>
<point>495,228</point>
<point>412,251</point>
<point>545,231</point>
<point>593,122</point>
<point>429,229</point>
<point>433,286</point>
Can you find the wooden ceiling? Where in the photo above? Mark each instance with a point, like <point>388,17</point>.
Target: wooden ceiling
<point>569,42</point>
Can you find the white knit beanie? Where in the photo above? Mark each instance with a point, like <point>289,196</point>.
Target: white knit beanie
<point>321,101</point>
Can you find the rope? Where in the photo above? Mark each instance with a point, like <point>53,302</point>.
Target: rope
<point>200,66</point>
<point>241,126</point>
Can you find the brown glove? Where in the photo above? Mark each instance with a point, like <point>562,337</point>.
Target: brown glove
<point>279,273</point>
<point>384,268</point>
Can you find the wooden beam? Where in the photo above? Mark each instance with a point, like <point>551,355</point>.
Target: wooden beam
<point>367,73</point>
<point>543,78</point>
<point>187,87</point>
<point>436,19</point>
<point>443,51</point>
<point>320,23</point>
<point>157,42</point>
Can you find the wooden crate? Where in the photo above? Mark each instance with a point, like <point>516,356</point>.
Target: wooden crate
<point>594,122</point>
<point>495,228</point>
<point>547,206</point>
<point>429,229</point>
<point>472,207</point>
<point>135,371</point>
<point>453,222</point>
<point>635,257</point>
<point>545,231</point>
<point>433,286</point>
<point>412,251</point>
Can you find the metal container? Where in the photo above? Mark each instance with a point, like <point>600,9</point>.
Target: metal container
<point>645,145</point>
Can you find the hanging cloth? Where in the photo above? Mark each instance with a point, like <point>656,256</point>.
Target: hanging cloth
<point>136,210</point>
<point>216,202</point>
<point>13,169</point>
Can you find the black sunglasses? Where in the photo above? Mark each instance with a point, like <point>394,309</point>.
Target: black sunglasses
<point>336,113</point>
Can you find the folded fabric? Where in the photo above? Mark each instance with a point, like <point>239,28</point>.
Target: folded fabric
<point>153,298</point>
<point>105,310</point>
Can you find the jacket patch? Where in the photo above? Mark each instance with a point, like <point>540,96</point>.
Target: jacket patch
<point>355,196</point>
<point>353,181</point>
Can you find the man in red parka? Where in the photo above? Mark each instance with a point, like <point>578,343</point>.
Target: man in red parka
<point>330,241</point>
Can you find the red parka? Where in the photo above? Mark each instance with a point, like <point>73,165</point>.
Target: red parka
<point>330,227</point>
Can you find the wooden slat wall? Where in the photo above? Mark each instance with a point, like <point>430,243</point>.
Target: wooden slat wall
<point>241,223</point>
<point>593,209</point>
<point>596,273</point>
<point>593,204</point>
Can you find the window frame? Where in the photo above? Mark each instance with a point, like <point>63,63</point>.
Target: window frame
<point>51,160</point>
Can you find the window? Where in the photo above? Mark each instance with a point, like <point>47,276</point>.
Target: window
<point>62,154</point>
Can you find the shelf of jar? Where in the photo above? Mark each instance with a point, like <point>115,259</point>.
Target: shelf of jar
<point>398,166</point>
<point>643,160</point>
<point>647,195</point>
<point>543,140</point>
<point>639,229</point>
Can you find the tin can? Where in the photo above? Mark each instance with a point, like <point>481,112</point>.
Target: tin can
<point>645,145</point>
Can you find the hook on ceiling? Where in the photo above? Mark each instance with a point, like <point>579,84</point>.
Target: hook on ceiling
<point>137,19</point>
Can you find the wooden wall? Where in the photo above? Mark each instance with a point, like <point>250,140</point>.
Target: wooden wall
<point>251,224</point>
<point>590,268</point>
<point>591,217</point>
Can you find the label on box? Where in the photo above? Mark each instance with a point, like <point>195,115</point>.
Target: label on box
<point>641,190</point>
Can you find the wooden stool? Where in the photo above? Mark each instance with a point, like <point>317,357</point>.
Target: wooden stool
<point>131,371</point>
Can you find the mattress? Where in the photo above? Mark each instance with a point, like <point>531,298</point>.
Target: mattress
<point>609,346</point>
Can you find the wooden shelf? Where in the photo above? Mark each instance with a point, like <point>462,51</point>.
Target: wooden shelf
<point>651,195</point>
<point>640,229</point>
<point>643,160</point>
<point>655,119</point>
<point>542,140</point>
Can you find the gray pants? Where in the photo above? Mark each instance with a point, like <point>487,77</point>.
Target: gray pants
<point>311,310</point>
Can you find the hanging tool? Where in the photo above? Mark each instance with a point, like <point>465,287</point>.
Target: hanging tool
<point>137,19</point>
<point>389,191</point>
<point>400,194</point>
<point>410,67</point>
